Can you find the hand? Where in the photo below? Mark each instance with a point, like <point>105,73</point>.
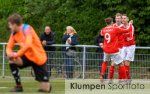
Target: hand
<point>131,21</point>
<point>101,45</point>
<point>129,39</point>
<point>69,41</point>
<point>12,56</point>
<point>44,42</point>
<point>65,33</point>
<point>71,34</point>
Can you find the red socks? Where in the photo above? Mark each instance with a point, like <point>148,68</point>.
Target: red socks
<point>111,72</point>
<point>119,72</point>
<point>122,72</point>
<point>127,70</point>
<point>104,67</point>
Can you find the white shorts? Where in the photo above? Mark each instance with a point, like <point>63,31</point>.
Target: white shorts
<point>121,50</point>
<point>116,58</point>
<point>128,53</point>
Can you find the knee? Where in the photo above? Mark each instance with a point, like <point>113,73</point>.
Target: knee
<point>17,61</point>
<point>113,64</point>
<point>11,62</point>
<point>121,64</point>
<point>127,63</point>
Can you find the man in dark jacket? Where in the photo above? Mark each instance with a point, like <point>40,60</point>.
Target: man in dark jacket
<point>48,38</point>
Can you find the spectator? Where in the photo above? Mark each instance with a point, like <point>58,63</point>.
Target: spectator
<point>99,42</point>
<point>70,38</point>
<point>48,38</point>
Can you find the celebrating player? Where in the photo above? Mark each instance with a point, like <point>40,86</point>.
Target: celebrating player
<point>28,54</point>
<point>128,46</point>
<point>110,47</point>
<point>118,18</point>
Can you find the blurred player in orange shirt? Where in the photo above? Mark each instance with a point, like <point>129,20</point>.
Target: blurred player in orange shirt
<point>31,53</point>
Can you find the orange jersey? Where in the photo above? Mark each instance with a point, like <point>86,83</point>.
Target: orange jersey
<point>30,45</point>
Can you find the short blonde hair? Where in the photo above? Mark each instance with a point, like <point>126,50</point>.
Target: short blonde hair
<point>118,14</point>
<point>70,27</point>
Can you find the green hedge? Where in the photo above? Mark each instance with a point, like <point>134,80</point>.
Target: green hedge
<point>86,16</point>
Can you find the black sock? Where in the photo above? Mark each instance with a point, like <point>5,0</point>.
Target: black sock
<point>15,73</point>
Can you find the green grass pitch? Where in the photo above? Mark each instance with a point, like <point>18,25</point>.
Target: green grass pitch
<point>30,86</point>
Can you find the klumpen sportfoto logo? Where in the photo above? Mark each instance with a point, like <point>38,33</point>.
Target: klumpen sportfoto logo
<point>91,87</point>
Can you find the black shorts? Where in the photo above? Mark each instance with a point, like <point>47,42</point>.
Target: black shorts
<point>41,73</point>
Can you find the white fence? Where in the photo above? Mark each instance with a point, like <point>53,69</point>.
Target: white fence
<point>86,63</point>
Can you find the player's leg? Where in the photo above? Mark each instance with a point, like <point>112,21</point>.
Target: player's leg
<point>127,68</point>
<point>104,71</point>
<point>111,72</point>
<point>41,75</point>
<point>105,63</point>
<point>129,58</point>
<point>104,66</point>
<point>122,72</point>
<point>14,63</point>
<point>121,67</point>
<point>117,59</point>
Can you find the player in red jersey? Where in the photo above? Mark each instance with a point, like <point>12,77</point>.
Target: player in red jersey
<point>121,42</point>
<point>128,46</point>
<point>118,19</point>
<point>110,47</point>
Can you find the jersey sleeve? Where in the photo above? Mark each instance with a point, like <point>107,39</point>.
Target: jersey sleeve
<point>120,30</point>
<point>28,41</point>
<point>10,45</point>
<point>131,32</point>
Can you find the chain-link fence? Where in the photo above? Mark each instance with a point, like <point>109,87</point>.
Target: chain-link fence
<point>85,63</point>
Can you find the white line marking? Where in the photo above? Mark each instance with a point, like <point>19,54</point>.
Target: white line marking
<point>3,87</point>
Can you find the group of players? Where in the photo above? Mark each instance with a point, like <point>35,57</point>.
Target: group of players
<point>119,47</point>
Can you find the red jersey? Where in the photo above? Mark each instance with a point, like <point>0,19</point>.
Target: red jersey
<point>111,37</point>
<point>121,36</point>
<point>129,35</point>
